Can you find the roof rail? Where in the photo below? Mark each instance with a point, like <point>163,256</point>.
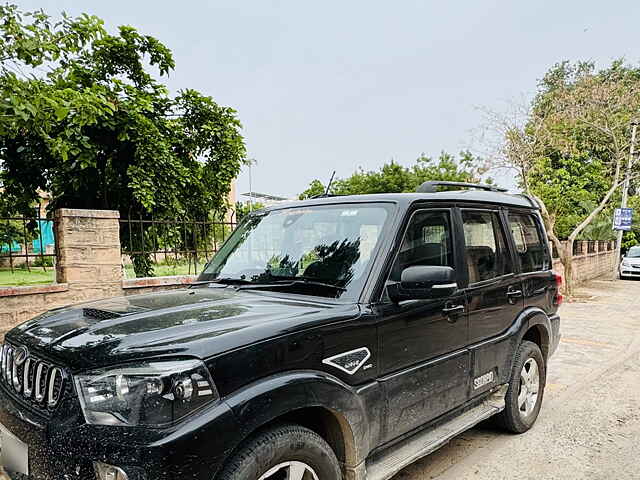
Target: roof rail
<point>432,186</point>
<point>531,199</point>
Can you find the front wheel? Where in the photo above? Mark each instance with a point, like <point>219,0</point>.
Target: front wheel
<point>526,389</point>
<point>287,452</point>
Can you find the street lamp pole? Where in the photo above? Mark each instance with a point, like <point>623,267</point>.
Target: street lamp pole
<point>250,163</point>
<point>625,193</point>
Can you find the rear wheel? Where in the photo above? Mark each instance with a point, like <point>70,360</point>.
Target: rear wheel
<point>287,452</point>
<point>526,389</point>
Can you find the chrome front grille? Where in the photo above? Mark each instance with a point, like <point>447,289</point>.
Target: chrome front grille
<point>34,380</point>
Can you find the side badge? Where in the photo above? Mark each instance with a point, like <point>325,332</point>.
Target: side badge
<point>349,362</point>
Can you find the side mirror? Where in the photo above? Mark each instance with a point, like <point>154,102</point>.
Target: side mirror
<point>424,282</point>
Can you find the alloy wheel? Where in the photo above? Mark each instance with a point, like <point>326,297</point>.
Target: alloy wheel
<point>290,471</point>
<point>529,387</point>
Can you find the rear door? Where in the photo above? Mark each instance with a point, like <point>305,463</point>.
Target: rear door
<point>424,363</point>
<point>494,290</point>
<point>533,257</point>
<point>494,296</point>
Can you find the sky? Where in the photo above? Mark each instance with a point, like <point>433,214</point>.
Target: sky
<point>339,85</point>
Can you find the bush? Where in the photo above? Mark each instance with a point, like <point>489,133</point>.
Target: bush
<point>43,262</point>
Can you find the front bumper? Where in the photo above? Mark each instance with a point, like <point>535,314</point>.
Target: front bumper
<point>65,449</point>
<point>629,271</point>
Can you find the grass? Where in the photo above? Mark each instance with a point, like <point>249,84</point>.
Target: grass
<point>162,270</point>
<point>38,276</point>
<point>22,276</point>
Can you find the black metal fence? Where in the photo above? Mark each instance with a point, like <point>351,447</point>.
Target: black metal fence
<point>26,243</point>
<point>159,247</point>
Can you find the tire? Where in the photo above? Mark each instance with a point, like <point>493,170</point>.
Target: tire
<point>281,450</point>
<point>519,416</point>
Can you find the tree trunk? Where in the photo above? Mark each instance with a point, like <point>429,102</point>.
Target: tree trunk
<point>566,257</point>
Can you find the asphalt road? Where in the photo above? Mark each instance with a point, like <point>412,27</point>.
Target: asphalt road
<point>589,426</point>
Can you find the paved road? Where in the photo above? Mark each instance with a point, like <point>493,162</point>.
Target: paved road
<point>589,426</point>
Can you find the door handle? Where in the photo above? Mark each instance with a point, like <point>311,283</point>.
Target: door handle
<point>512,294</point>
<point>452,311</point>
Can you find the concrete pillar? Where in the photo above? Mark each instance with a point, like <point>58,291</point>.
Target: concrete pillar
<point>89,259</point>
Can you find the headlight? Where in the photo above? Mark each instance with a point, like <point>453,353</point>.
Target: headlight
<point>150,393</point>
<point>625,263</point>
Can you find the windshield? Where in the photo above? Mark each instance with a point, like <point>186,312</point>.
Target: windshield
<point>320,250</point>
<point>634,252</point>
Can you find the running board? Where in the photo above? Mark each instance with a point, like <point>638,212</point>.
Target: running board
<point>389,462</point>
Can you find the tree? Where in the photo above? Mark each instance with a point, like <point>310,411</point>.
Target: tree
<point>82,118</point>
<point>394,178</point>
<point>571,148</point>
<point>243,209</point>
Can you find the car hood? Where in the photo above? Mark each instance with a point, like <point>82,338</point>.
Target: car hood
<point>198,322</point>
<point>631,261</point>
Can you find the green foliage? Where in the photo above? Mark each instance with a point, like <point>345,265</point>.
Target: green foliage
<point>395,178</point>
<point>629,239</point>
<point>601,228</point>
<point>243,209</point>
<point>16,231</point>
<point>42,262</point>
<point>11,232</point>
<point>83,118</point>
<point>570,187</point>
<point>581,119</point>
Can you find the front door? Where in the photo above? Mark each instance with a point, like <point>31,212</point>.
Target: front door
<point>424,363</point>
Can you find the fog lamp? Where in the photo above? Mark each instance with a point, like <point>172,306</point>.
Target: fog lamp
<point>108,472</point>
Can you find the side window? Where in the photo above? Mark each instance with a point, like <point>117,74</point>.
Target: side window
<point>485,246</point>
<point>530,247</point>
<point>427,241</point>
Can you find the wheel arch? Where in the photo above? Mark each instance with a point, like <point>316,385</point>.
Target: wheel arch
<point>330,424</point>
<point>314,400</point>
<point>538,330</point>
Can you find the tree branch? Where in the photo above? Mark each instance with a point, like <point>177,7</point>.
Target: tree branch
<point>599,208</point>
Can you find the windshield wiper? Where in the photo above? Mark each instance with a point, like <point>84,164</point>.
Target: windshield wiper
<point>291,282</point>
<point>232,281</point>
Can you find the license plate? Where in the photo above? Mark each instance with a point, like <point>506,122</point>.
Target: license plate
<point>14,454</point>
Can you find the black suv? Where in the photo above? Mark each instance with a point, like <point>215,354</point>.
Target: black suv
<point>332,338</point>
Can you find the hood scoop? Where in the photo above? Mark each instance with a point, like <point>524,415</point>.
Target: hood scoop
<point>100,314</point>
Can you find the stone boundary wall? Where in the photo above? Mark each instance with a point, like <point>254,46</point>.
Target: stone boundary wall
<point>89,267</point>
<point>587,266</point>
<point>136,286</point>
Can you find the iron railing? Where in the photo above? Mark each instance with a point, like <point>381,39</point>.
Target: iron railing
<point>188,244</point>
<point>27,242</point>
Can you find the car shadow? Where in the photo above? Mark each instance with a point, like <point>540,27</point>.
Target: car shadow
<point>460,447</point>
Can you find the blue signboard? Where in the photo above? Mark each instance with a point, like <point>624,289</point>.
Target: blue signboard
<point>622,218</point>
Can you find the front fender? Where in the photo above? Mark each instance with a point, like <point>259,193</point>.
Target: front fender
<point>357,409</point>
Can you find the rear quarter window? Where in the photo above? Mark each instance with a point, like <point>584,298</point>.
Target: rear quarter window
<point>531,248</point>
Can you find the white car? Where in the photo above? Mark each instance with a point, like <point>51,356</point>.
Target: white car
<point>630,264</point>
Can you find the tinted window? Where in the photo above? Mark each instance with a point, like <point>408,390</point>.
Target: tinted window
<point>530,247</point>
<point>427,241</point>
<point>485,246</point>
